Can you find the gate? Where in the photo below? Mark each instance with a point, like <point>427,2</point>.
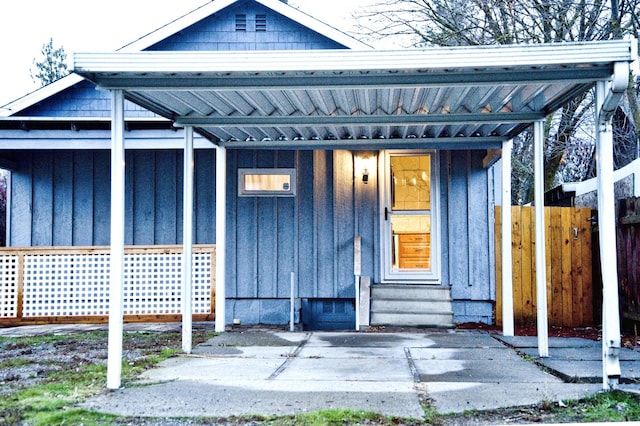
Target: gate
<point>569,266</point>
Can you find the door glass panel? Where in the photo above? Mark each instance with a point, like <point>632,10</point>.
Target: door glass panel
<point>411,240</point>
<point>411,182</point>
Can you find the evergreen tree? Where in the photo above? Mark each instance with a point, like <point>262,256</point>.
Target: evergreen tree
<point>52,66</point>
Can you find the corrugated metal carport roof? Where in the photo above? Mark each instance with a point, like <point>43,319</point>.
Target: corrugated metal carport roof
<point>463,97</point>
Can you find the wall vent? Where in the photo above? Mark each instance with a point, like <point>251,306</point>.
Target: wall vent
<point>241,22</point>
<point>261,23</point>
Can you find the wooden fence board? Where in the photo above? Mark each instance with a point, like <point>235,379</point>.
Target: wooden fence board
<point>568,267</point>
<point>528,265</point>
<point>498,248</point>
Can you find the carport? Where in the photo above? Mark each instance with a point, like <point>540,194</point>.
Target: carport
<point>437,98</point>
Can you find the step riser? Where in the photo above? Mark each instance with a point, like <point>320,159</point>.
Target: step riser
<point>428,306</point>
<point>425,320</point>
<point>411,306</point>
<point>383,292</point>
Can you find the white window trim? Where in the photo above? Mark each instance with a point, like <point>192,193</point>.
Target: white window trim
<point>243,192</point>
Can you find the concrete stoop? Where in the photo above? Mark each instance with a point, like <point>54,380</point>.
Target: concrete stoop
<point>411,305</point>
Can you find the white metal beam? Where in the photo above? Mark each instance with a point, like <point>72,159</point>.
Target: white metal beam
<point>506,253</point>
<point>221,236</point>
<point>541,261</point>
<point>608,254</point>
<point>116,308</point>
<point>187,241</point>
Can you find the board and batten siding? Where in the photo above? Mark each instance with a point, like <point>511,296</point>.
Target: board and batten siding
<point>61,198</point>
<point>310,235</point>
<point>467,234</point>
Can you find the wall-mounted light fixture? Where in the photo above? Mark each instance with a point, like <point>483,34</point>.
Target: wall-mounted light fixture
<point>364,165</point>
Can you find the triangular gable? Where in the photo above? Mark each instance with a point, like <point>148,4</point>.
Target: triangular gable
<point>43,102</point>
<point>216,6</point>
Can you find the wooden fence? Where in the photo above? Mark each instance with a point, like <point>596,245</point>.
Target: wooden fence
<point>628,242</point>
<point>569,266</point>
<point>71,284</point>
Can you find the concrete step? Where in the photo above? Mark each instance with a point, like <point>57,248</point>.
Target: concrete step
<point>440,320</point>
<point>399,292</point>
<point>412,305</point>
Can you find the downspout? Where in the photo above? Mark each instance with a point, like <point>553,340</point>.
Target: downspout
<point>608,95</point>
<point>541,257</point>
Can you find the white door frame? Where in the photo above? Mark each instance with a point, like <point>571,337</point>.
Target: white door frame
<point>388,274</point>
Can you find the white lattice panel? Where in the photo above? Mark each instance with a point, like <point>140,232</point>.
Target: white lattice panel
<point>78,284</point>
<point>66,285</point>
<point>8,286</point>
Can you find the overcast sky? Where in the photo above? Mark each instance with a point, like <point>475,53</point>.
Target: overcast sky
<point>89,25</point>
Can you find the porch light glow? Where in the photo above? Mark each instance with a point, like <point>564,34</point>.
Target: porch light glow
<point>364,163</point>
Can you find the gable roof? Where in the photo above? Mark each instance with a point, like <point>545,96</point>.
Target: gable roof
<point>179,24</point>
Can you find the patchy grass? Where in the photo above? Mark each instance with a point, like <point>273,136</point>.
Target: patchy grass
<point>52,399</point>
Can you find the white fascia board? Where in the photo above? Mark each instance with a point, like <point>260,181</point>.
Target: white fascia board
<point>177,25</point>
<point>332,61</point>
<point>314,24</point>
<point>39,95</point>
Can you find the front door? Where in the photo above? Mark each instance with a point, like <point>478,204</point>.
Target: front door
<point>409,205</point>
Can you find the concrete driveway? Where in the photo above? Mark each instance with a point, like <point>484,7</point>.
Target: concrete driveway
<point>279,373</point>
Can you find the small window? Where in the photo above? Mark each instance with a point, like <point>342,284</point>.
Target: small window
<point>261,23</point>
<point>241,22</point>
<point>266,182</point>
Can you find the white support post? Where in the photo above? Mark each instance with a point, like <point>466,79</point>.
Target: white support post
<point>506,249</point>
<point>357,272</point>
<point>221,235</point>
<point>292,303</point>
<point>608,254</point>
<point>187,241</point>
<point>541,261</point>
<point>116,273</point>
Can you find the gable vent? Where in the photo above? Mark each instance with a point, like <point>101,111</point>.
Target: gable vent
<point>241,22</point>
<point>261,22</point>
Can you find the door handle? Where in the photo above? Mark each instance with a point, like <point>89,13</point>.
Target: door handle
<point>386,214</point>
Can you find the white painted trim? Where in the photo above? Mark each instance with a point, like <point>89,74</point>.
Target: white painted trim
<point>187,241</point>
<point>221,236</point>
<point>506,253</point>
<point>116,305</point>
<point>607,237</point>
<point>39,95</point>
<point>590,185</point>
<point>541,260</point>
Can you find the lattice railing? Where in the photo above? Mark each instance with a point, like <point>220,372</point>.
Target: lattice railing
<point>73,282</point>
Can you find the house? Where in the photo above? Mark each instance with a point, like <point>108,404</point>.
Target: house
<point>320,166</point>
<point>56,143</point>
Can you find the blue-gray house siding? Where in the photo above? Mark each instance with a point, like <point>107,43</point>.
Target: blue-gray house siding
<point>62,197</point>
